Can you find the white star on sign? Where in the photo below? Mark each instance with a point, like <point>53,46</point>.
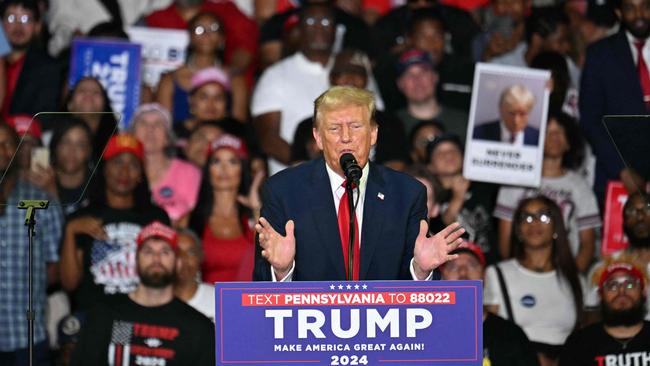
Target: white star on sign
<point>365,287</point>
<point>348,287</point>
<point>340,287</point>
<point>332,287</point>
<point>356,287</point>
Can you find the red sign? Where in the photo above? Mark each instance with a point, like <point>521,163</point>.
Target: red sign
<point>613,237</point>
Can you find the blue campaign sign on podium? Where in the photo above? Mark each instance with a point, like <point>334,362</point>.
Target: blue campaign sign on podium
<point>349,323</point>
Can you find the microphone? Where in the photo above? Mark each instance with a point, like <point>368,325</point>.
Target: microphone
<point>350,167</point>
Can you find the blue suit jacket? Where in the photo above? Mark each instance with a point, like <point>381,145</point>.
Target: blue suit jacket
<point>491,131</point>
<point>390,225</point>
<point>609,86</point>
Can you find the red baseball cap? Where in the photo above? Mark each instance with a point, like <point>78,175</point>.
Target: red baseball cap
<point>158,230</point>
<point>234,143</point>
<point>625,267</point>
<point>123,142</point>
<point>471,248</point>
<point>23,124</point>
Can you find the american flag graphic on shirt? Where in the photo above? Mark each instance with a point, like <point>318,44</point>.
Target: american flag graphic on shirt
<point>119,348</point>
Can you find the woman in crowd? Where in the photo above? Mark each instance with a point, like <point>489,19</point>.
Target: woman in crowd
<point>209,100</point>
<point>87,99</point>
<point>204,51</point>
<point>198,144</point>
<point>98,251</point>
<point>152,126</point>
<point>563,153</point>
<point>227,206</point>
<point>71,156</point>
<point>467,202</point>
<point>539,289</point>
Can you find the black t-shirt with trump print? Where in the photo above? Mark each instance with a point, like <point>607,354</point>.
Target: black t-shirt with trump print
<point>593,346</point>
<point>122,332</point>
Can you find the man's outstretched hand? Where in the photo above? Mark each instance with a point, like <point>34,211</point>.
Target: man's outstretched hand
<point>432,252</point>
<point>278,250</point>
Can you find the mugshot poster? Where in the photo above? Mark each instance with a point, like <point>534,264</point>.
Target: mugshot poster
<point>507,123</point>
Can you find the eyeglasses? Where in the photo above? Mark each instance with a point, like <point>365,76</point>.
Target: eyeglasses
<point>529,217</point>
<point>635,211</point>
<point>626,283</point>
<point>22,19</point>
<point>323,22</point>
<point>212,28</point>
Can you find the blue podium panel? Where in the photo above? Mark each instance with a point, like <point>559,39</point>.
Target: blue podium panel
<point>349,323</point>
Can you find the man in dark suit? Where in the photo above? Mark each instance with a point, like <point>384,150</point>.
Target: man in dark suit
<point>298,232</point>
<point>515,105</point>
<point>613,80</point>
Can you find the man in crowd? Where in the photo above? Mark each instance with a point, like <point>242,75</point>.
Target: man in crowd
<point>417,80</point>
<point>515,104</point>
<point>622,337</point>
<point>504,342</point>
<point>149,325</point>
<point>33,78</point>
<point>615,64</point>
<point>297,233</point>
<point>351,68</point>
<point>285,91</point>
<point>636,225</point>
<point>188,286</point>
<point>13,260</point>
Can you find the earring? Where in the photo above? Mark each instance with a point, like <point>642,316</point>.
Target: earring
<point>554,236</point>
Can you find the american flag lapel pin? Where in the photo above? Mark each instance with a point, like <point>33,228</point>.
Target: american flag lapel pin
<point>380,195</point>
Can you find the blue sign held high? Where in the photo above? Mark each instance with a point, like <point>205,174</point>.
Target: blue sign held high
<point>116,64</point>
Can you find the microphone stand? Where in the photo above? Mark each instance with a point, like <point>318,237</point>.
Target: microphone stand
<point>351,208</point>
<point>31,206</point>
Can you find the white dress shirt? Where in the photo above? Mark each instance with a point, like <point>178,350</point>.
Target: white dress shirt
<point>506,135</point>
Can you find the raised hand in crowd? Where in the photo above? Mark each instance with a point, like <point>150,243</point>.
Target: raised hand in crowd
<point>252,200</point>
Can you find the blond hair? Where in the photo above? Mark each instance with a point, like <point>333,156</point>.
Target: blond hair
<point>517,93</point>
<point>343,96</point>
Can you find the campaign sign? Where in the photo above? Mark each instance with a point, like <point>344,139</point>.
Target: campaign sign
<point>614,238</point>
<point>349,323</point>
<point>116,64</point>
<point>162,50</point>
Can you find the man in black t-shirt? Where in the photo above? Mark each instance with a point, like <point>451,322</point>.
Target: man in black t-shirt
<point>148,326</point>
<point>504,342</point>
<point>623,337</point>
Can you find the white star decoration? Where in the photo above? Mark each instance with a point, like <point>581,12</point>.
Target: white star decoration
<point>348,287</point>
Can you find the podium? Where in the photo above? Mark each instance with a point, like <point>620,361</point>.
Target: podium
<point>349,323</point>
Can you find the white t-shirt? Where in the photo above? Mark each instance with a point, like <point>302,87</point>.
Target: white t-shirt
<point>203,300</point>
<point>290,87</point>
<point>542,304</point>
<point>570,191</point>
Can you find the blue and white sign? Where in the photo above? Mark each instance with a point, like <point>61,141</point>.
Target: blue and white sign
<point>116,64</point>
<point>349,323</point>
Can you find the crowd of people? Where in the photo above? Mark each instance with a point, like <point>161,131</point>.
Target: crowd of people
<point>143,220</point>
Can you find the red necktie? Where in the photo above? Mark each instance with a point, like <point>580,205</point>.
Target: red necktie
<point>644,75</point>
<point>344,230</point>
